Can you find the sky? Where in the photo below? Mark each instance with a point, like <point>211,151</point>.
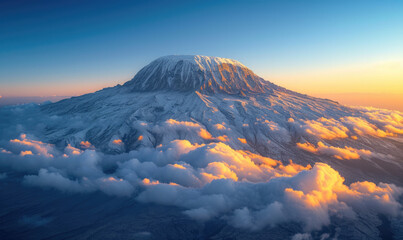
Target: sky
<point>349,51</point>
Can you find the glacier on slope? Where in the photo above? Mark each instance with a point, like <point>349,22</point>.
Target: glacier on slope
<point>196,73</point>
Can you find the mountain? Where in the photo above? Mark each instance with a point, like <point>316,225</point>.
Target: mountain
<point>217,94</point>
<point>205,90</point>
<point>197,73</point>
<point>197,147</point>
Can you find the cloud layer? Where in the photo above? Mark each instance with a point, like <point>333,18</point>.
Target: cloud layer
<point>199,169</point>
<point>371,121</point>
<point>207,181</point>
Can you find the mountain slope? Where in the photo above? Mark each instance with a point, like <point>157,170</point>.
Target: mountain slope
<point>224,98</point>
<point>206,89</point>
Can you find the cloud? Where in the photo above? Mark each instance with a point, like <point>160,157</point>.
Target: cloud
<point>242,140</point>
<point>367,195</point>
<point>24,153</point>
<point>391,121</point>
<point>173,122</point>
<point>346,153</point>
<point>212,178</point>
<point>362,127</point>
<point>270,215</point>
<point>370,121</point>
<point>220,126</point>
<point>179,162</point>
<point>115,186</point>
<point>203,133</point>
<point>195,165</point>
<point>2,150</point>
<point>173,129</point>
<point>323,128</point>
<point>209,180</point>
<point>86,144</point>
<point>311,197</point>
<point>57,181</point>
<point>117,141</point>
<point>37,147</point>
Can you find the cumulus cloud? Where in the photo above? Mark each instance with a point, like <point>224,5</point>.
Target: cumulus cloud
<point>117,141</point>
<point>37,147</point>
<point>174,129</point>
<point>337,152</point>
<point>209,180</point>
<point>242,140</point>
<point>71,170</point>
<point>362,127</point>
<point>311,197</point>
<point>194,165</point>
<point>180,162</point>
<point>324,128</point>
<point>212,178</point>
<point>175,123</point>
<point>346,153</point>
<point>220,126</point>
<point>371,121</point>
<point>86,144</point>
<point>55,180</point>
<point>270,215</point>
<point>391,120</point>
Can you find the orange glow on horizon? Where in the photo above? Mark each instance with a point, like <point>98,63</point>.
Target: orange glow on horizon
<point>378,84</point>
<point>61,87</point>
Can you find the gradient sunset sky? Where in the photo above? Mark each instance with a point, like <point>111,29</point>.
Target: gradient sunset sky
<point>349,51</point>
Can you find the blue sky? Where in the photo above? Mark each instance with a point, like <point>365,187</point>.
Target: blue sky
<point>72,47</point>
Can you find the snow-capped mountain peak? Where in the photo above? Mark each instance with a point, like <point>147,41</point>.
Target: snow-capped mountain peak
<point>197,73</point>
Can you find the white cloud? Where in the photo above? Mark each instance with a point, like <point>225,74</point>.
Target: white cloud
<point>207,180</point>
<point>342,153</point>
<point>324,128</point>
<point>210,178</point>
